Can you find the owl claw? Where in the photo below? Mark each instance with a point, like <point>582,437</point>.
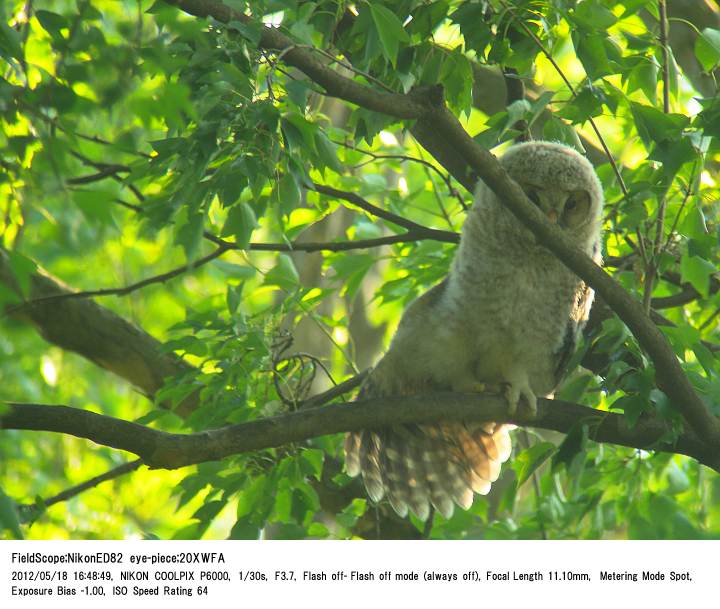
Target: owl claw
<point>515,391</point>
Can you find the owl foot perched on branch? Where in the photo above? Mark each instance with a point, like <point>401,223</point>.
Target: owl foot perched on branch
<point>516,390</point>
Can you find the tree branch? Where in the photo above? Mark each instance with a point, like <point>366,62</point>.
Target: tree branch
<point>98,334</point>
<point>358,201</point>
<point>30,511</point>
<point>165,450</point>
<point>343,246</point>
<point>128,289</point>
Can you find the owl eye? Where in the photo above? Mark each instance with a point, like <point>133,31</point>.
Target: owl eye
<point>576,209</point>
<point>533,195</point>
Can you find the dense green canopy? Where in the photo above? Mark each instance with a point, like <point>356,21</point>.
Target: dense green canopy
<point>214,213</point>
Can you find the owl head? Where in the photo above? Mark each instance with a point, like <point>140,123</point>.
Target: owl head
<point>562,183</point>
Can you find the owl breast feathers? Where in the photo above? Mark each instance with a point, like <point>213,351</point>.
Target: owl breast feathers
<point>509,314</point>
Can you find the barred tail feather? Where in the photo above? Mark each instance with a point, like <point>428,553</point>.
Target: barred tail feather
<point>417,466</point>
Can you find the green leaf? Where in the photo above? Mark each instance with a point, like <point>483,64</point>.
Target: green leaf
<point>707,48</point>
<point>188,344</point>
<point>319,530</point>
<point>9,520</point>
<point>10,46</point>
<point>287,194</point>
<point>22,269</point>
<point>633,406</point>
<point>208,511</point>
<point>230,187</point>
<point>252,32</point>
<point>556,130</point>
<point>706,358</point>
<point>240,223</point>
<point>314,458</point>
<point>673,154</point>
<point>530,459</point>
<point>235,270</point>
<point>351,268</point>
<point>169,146</point>
<point>283,274</point>
<point>349,516</point>
<point>327,152</point>
<point>96,205</point>
<point>593,15</point>
<point>283,505</point>
<point>477,32</point>
<point>251,495</point>
<point>52,23</point>
<point>654,125</point>
<point>245,529</point>
<point>457,77</point>
<point>697,271</point>
<point>56,95</point>
<point>678,481</point>
<point>572,446</point>
<point>390,31</point>
<point>593,52</point>
<point>188,231</point>
<point>644,76</point>
<point>587,104</point>
<point>427,17</point>
<point>298,91</point>
<point>538,106</point>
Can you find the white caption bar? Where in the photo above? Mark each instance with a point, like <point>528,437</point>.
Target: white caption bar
<point>314,573</point>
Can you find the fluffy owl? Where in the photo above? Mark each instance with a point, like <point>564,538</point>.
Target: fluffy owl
<point>509,314</point>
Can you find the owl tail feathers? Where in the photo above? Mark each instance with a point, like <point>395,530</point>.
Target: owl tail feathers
<point>417,466</point>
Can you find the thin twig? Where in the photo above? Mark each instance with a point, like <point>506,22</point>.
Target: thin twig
<point>73,491</point>
<point>651,270</point>
<point>337,391</point>
<point>162,278</point>
<point>108,171</point>
<point>709,320</point>
<point>404,157</point>
<point>364,204</point>
<point>341,246</point>
<point>686,197</point>
<point>54,123</point>
<point>664,41</point>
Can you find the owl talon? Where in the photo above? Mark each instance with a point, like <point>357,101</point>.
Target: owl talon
<point>515,391</point>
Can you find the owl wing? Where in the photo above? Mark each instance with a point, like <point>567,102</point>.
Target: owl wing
<point>573,330</point>
<point>579,315</point>
<point>416,466</point>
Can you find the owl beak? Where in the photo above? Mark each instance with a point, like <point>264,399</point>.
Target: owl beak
<point>552,215</point>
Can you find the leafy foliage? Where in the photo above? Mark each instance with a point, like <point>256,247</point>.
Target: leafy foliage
<point>133,137</point>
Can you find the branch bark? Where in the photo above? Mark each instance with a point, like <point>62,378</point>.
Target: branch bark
<point>165,450</point>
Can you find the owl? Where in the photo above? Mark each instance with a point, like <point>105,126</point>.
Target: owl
<point>508,315</point>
